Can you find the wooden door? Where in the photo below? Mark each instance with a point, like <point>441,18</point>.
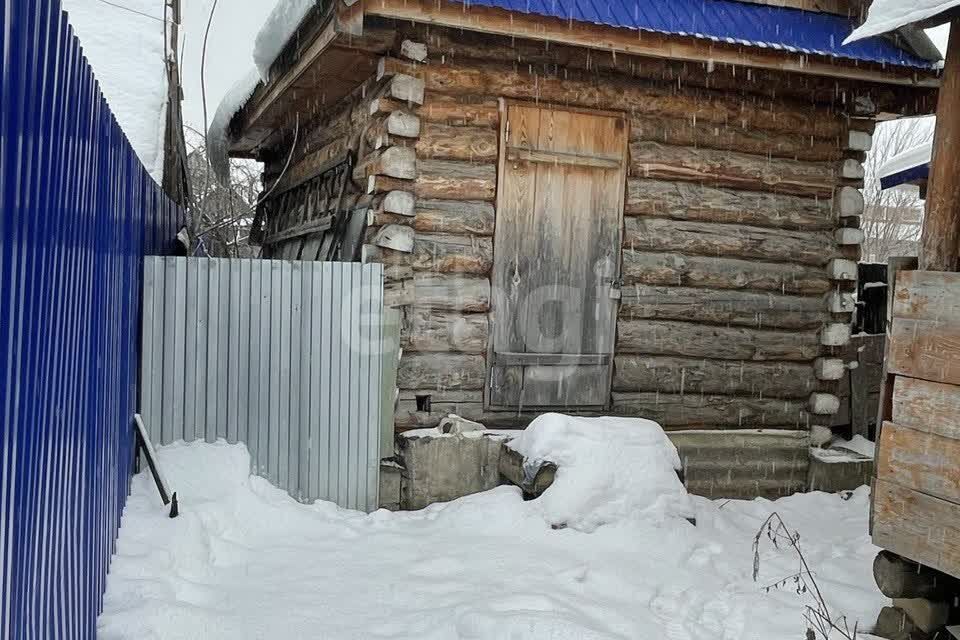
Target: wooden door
<point>556,257</point>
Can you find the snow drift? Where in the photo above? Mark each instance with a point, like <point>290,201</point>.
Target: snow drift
<point>888,15</point>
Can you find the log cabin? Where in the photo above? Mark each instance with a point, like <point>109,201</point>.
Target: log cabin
<point>621,211</point>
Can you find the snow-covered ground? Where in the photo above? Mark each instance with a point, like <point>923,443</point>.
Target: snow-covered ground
<point>245,561</point>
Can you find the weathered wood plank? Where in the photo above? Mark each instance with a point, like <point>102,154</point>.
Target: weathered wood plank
<point>452,292</point>
<point>924,462</point>
<point>678,375</point>
<point>922,528</point>
<point>733,169</point>
<point>394,162</point>
<point>657,337</point>
<point>695,411</point>
<point>718,306</point>
<point>924,349</point>
<point>721,273</point>
<point>931,407</point>
<point>927,295</point>
<point>455,216</point>
<point>687,201</point>
<point>728,240</point>
<point>428,329</point>
<point>441,371</point>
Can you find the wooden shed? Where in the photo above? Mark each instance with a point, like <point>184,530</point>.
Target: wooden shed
<point>589,210</point>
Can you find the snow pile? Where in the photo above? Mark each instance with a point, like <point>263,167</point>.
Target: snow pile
<point>277,30</point>
<point>245,561</point>
<point>889,15</point>
<point>609,469</point>
<point>858,444</point>
<point>125,50</point>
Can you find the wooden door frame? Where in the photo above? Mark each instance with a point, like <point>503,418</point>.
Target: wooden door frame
<point>504,106</point>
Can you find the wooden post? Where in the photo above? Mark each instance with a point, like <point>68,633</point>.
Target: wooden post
<point>939,247</point>
<point>176,182</point>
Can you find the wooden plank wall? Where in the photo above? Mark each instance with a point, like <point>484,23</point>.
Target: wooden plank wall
<point>741,232</point>
<point>916,509</point>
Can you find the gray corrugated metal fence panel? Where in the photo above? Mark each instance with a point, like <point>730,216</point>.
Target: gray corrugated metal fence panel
<point>285,357</point>
<point>77,213</point>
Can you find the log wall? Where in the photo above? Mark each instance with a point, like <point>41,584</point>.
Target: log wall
<point>734,280</point>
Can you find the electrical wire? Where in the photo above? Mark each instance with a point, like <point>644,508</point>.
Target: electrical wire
<point>139,13</point>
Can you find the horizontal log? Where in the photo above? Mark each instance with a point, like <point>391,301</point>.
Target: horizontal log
<point>398,127</point>
<point>429,329</point>
<point>441,371</point>
<point>733,169</point>
<point>898,577</point>
<point>657,337</point>
<point>397,202</point>
<point>829,368</point>
<point>455,216</point>
<point>695,411</point>
<point>396,237</point>
<point>728,240</point>
<point>917,526</point>
<point>393,162</point>
<point>686,201</point>
<point>445,142</point>
<point>583,89</point>
<point>721,273</point>
<point>823,404</point>
<point>669,374</point>
<point>713,306</point>
<point>474,111</point>
<point>412,50</point>
<point>452,292</point>
<point>842,269</point>
<point>848,202</point>
<point>924,462</point>
<point>544,58</point>
<point>456,180</point>
<point>703,134</point>
<point>443,253</point>
<point>835,334</point>
<point>932,407</point>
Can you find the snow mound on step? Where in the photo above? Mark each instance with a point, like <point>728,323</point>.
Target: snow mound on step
<point>608,470</point>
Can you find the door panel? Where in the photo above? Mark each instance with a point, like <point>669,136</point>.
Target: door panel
<point>557,256</point>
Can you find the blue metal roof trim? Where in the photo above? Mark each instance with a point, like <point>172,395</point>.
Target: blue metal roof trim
<point>913,175</point>
<point>727,21</point>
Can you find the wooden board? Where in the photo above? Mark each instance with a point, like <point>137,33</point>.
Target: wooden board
<point>927,349</point>
<point>927,295</point>
<point>559,219</point>
<point>924,462</point>
<point>932,407</point>
<point>917,526</point>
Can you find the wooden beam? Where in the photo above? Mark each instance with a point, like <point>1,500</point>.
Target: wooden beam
<point>535,27</point>
<point>940,238</point>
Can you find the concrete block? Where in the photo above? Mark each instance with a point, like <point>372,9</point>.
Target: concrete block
<point>745,463</point>
<point>834,470</point>
<point>390,477</point>
<point>928,615</point>
<point>442,467</point>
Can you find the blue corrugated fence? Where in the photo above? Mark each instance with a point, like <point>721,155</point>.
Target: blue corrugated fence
<point>78,213</point>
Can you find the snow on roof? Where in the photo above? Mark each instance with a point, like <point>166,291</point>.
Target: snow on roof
<point>907,166</point>
<point>889,15</point>
<point>124,46</point>
<point>281,24</point>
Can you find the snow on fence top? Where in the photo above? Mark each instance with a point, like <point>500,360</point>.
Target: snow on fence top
<point>608,470</point>
<point>889,15</point>
<point>125,49</point>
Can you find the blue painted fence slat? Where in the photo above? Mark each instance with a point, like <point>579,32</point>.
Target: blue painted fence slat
<point>77,214</point>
